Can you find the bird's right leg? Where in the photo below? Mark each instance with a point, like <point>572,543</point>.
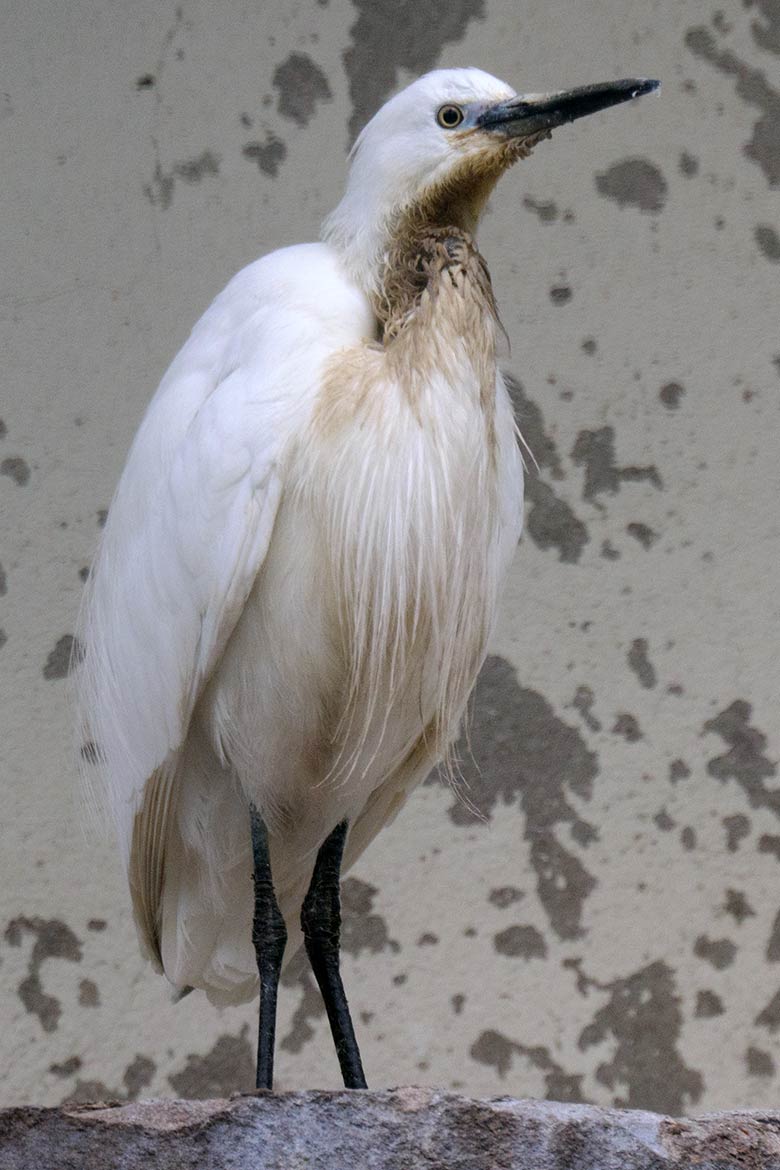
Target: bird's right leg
<point>269,936</point>
<point>321,923</point>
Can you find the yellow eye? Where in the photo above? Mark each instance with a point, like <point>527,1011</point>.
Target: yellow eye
<point>449,116</point>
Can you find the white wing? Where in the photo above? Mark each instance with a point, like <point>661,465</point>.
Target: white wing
<point>188,530</point>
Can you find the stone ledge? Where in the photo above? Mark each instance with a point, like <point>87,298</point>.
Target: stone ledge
<point>395,1129</point>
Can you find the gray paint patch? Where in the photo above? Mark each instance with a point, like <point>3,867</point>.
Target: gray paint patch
<point>589,346</point>
<point>530,420</point>
<point>634,182</point>
<point>769,843</point>
<point>583,702</point>
<point>671,394</point>
<point>16,469</point>
<point>688,838</point>
<point>643,1019</point>
<point>627,726</point>
<point>89,996</point>
<point>547,211</point>
<point>595,451</point>
<point>768,241</point>
<point>194,169</point>
<point>361,930</point>
<point>751,87</point>
<point>67,1068</point>
<point>160,191</point>
<point>737,905</point>
<point>642,533</point>
<point>3,582</point>
<point>524,942</point>
<point>389,36</point>
<point>678,770</point>
<point>773,946</point>
<point>745,761</point>
<point>227,1068</point>
<point>138,1074</point>
<point>310,1007</point>
<point>519,752</point>
<point>496,1050</point>
<point>769,1017</point>
<point>663,821</point>
<point>759,1063</point>
<point>301,85</point>
<point>505,896</point>
<point>268,155</point>
<point>688,164</point>
<point>560,294</point>
<point>640,663</point>
<point>737,827</point>
<point>719,952</point>
<point>91,1092</point>
<point>708,1005</point>
<point>66,654</point>
<point>767,35</point>
<point>549,520</point>
<point>53,940</point>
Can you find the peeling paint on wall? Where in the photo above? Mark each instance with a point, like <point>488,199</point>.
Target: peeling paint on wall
<point>634,182</point>
<point>301,85</point>
<point>53,940</point>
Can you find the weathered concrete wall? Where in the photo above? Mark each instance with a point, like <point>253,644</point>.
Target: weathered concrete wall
<point>609,930</point>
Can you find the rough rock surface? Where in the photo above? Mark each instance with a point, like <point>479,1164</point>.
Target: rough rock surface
<point>597,915</point>
<point>396,1129</point>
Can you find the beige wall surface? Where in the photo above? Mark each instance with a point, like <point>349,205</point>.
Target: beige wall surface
<point>608,928</point>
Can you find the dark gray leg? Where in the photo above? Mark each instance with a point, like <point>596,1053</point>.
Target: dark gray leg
<point>269,936</point>
<point>321,922</point>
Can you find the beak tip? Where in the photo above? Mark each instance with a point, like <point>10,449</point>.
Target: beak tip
<point>646,85</point>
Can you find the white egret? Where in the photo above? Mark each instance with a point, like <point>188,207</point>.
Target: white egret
<point>299,573</point>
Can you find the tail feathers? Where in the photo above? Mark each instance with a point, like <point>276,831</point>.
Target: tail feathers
<point>205,934</point>
<point>148,856</point>
<point>180,993</point>
<point>194,907</point>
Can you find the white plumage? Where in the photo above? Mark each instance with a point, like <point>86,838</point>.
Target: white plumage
<point>299,572</point>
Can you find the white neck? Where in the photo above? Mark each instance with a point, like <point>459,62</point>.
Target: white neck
<point>361,242</point>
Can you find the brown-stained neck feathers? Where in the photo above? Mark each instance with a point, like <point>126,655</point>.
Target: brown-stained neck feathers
<point>449,209</point>
<point>418,263</point>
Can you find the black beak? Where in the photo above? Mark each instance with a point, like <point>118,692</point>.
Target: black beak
<point>529,114</point>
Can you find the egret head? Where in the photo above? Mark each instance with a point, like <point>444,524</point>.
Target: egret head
<point>433,153</point>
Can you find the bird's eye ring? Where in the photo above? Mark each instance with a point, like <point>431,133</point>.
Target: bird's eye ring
<point>449,116</point>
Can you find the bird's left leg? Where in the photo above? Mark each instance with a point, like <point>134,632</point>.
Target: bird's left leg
<point>321,922</point>
<point>269,936</point>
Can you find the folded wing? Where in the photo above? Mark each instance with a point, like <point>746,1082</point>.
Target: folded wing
<point>187,532</point>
